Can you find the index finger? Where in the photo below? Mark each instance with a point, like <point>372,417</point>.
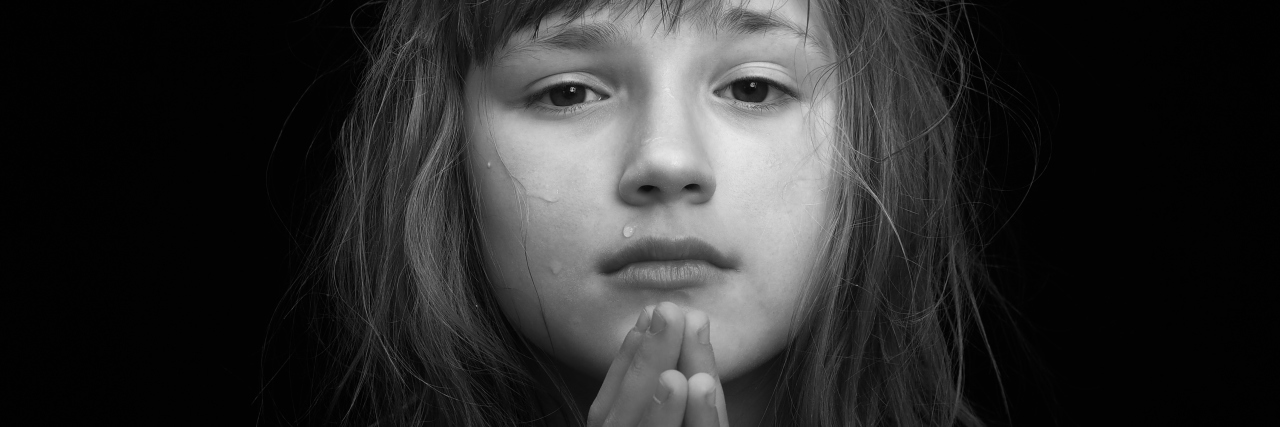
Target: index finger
<point>698,357</point>
<point>696,354</point>
<point>613,379</point>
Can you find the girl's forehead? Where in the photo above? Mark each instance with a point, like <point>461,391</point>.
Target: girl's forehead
<point>670,12</point>
<point>577,25</point>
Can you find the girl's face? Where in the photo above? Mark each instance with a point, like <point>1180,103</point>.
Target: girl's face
<point>621,163</point>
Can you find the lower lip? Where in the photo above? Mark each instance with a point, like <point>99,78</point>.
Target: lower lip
<point>668,274</point>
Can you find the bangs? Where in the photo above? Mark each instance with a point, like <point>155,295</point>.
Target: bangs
<point>486,26</point>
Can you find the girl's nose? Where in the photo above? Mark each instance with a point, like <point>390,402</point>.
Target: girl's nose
<point>667,161</point>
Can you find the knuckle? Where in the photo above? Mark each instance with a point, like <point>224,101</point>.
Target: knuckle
<point>639,367</point>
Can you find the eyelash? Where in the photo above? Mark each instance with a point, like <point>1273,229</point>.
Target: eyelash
<point>534,101</point>
<point>774,106</point>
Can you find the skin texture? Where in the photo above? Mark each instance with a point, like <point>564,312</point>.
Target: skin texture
<point>660,148</point>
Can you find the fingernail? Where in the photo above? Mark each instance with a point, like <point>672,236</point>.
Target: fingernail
<point>658,323</point>
<point>664,391</point>
<point>642,322</point>
<point>704,333</point>
<point>711,397</point>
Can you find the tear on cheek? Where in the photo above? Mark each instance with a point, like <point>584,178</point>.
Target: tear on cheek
<point>542,196</point>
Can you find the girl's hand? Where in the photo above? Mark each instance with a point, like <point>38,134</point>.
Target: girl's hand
<point>643,386</point>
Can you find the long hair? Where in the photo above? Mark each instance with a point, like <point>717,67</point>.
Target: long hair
<point>897,294</point>
<point>422,340</point>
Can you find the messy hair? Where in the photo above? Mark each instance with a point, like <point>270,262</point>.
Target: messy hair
<point>886,317</point>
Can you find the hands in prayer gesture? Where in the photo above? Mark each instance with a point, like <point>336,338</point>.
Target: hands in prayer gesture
<point>664,374</point>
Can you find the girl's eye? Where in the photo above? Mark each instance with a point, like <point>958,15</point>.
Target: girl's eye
<point>754,91</point>
<point>757,91</point>
<point>570,94</point>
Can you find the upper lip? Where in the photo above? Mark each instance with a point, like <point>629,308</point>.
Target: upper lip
<point>652,249</point>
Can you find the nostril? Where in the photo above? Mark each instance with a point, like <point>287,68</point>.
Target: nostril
<point>648,188</point>
<point>693,188</point>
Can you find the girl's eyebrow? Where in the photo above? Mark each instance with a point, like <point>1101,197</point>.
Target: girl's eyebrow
<point>598,36</point>
<point>585,37</point>
<point>741,21</point>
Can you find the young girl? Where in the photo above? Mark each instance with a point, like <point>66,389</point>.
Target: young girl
<point>657,213</point>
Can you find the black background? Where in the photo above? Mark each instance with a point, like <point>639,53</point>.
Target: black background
<point>169,162</point>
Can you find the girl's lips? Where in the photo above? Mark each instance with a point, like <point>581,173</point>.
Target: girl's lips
<point>665,249</point>
<point>666,263</point>
<point>668,274</point>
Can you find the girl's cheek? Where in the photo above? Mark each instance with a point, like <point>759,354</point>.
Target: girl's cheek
<point>535,228</point>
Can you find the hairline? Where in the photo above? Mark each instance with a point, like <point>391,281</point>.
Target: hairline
<point>572,35</point>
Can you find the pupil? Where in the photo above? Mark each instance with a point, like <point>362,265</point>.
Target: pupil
<point>568,95</point>
<point>750,91</point>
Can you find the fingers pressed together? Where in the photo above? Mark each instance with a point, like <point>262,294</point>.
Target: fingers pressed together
<point>664,374</point>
